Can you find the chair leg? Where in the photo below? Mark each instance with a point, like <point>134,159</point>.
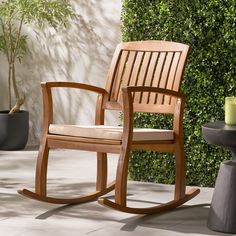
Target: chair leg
<point>121,182</point>
<point>180,172</point>
<point>40,193</point>
<point>41,170</point>
<point>121,185</point>
<point>101,183</point>
<point>121,178</point>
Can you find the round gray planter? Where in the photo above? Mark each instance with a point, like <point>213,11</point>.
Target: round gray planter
<point>14,130</point>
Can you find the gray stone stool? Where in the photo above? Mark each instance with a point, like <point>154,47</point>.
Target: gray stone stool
<point>222,214</point>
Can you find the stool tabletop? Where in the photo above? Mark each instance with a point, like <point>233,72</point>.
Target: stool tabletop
<point>219,133</point>
<point>219,125</point>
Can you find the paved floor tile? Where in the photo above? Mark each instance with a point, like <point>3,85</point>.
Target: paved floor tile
<point>72,173</point>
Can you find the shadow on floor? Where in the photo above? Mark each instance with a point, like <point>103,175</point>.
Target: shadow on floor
<point>185,219</point>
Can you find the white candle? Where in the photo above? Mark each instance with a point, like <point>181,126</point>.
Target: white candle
<point>230,110</point>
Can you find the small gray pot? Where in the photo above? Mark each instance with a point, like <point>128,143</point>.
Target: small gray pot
<point>14,129</point>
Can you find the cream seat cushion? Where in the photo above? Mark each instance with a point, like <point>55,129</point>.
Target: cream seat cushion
<point>110,132</point>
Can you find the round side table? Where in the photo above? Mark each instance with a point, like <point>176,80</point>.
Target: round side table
<point>222,214</point>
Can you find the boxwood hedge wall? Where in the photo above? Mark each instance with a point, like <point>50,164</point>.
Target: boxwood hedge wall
<point>210,28</point>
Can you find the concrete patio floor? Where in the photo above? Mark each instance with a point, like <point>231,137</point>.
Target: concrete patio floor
<point>73,172</point>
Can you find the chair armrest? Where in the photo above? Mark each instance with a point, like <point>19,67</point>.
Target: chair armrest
<point>155,90</point>
<point>73,85</point>
<point>48,102</point>
<point>128,108</point>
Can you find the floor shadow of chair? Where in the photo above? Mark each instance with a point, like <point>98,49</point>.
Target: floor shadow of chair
<point>185,219</point>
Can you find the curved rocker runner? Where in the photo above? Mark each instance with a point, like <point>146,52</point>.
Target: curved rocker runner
<point>150,210</point>
<point>86,198</point>
<point>144,76</point>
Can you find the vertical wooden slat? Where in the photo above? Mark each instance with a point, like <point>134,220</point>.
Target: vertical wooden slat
<point>112,69</point>
<point>179,71</point>
<point>157,76</point>
<point>144,70</point>
<point>143,75</point>
<point>119,75</point>
<point>129,65</point>
<point>164,76</point>
<point>171,77</point>
<point>150,75</point>
<point>137,68</point>
<point>173,69</point>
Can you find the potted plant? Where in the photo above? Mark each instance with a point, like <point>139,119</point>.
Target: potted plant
<point>14,15</point>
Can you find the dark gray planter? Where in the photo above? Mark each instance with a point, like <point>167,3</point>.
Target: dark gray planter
<point>14,129</point>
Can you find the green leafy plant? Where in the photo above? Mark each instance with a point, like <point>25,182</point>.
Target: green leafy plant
<point>209,27</point>
<point>14,14</point>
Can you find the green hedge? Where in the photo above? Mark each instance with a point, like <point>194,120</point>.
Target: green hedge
<point>210,28</point>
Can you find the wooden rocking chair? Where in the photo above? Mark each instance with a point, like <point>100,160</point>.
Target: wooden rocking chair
<point>144,76</point>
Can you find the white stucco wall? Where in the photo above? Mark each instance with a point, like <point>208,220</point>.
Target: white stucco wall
<point>81,53</point>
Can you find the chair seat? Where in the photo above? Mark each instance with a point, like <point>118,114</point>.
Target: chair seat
<point>110,132</point>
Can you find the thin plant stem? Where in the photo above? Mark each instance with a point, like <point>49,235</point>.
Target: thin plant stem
<point>5,40</point>
<point>14,81</point>
<point>17,39</point>
<point>13,50</point>
<point>9,86</point>
<point>7,44</point>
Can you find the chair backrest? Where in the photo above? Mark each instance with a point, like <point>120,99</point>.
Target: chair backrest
<point>146,63</point>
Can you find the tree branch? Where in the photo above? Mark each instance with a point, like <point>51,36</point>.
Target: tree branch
<point>18,38</point>
<point>14,81</point>
<point>5,40</point>
<point>9,85</point>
